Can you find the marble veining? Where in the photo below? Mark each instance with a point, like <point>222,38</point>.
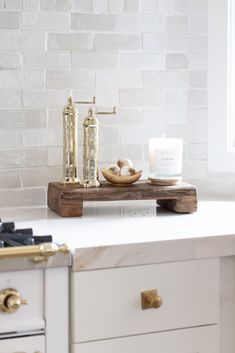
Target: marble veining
<point>133,233</point>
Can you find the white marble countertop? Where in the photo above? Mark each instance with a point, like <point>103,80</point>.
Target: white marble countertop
<point>94,236</point>
<point>135,222</point>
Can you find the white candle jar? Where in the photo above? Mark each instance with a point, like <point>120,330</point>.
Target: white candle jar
<point>165,158</point>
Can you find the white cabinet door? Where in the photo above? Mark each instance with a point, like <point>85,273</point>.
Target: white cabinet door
<point>107,303</point>
<point>197,340</point>
<point>23,345</point>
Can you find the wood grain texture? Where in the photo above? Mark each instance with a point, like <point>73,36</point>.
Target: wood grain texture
<point>67,200</point>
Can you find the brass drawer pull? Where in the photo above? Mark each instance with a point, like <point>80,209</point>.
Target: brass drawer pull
<point>151,299</point>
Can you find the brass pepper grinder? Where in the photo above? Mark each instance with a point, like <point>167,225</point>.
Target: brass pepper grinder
<point>90,148</point>
<point>70,149</point>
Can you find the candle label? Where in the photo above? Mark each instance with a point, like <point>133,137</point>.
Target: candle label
<point>167,162</point>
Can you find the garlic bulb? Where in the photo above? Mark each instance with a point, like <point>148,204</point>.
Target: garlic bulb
<point>125,171</point>
<point>127,163</point>
<point>120,163</point>
<point>132,171</point>
<point>114,169</point>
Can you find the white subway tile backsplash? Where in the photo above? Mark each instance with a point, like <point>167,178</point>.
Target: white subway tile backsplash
<point>131,5</point>
<point>57,5</point>
<point>118,79</point>
<point>198,97</point>
<point>46,60</point>
<point>11,79</point>
<point>198,79</point>
<point>143,23</point>
<point>176,97</point>
<point>194,170</point>
<point>144,60</point>
<point>46,21</point>
<point>9,20</point>
<point>44,98</point>
<point>197,151</point>
<point>95,60</point>
<point>9,178</point>
<point>147,57</point>
<point>172,6</point>
<point>165,42</point>
<point>148,6</point>
<point>197,133</point>
<point>176,115</point>
<point>101,23</point>
<point>165,79</point>
<point>23,158</point>
<point>13,4</point>
<point>70,41</point>
<point>55,156</point>
<point>176,61</point>
<point>198,6</point>
<point>176,24</point>
<point>99,6</point>
<point>119,41</point>
<point>55,118</point>
<point>71,79</point>
<point>31,5</point>
<point>141,97</point>
<point>166,115</point>
<point>25,40</point>
<point>106,97</point>
<point>198,43</point>
<point>19,79</point>
<point>41,137</point>
<point>198,116</point>
<point>116,7</point>
<point>109,135</point>
<point>109,155</point>
<point>133,151</point>
<point>10,99</point>
<point>10,60</point>
<point>22,118</point>
<point>198,24</point>
<point>82,6</point>
<point>10,138</point>
<point>154,115</point>
<point>139,134</point>
<point>33,79</point>
<point>40,176</point>
<point>198,61</point>
<point>130,116</point>
<point>22,198</point>
<point>177,131</point>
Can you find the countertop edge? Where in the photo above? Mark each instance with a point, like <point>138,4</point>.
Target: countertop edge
<point>115,256</point>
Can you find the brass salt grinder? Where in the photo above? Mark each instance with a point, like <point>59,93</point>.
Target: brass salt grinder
<point>70,151</point>
<point>90,148</point>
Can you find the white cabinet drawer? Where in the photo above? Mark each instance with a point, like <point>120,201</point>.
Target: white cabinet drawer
<point>30,286</point>
<point>197,340</point>
<point>107,303</point>
<point>23,345</point>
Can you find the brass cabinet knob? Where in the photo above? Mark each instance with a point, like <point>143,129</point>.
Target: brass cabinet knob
<point>10,300</point>
<point>151,299</point>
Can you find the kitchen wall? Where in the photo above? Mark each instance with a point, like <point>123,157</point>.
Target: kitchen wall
<point>148,57</point>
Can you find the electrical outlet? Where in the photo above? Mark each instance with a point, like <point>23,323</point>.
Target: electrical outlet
<point>141,212</point>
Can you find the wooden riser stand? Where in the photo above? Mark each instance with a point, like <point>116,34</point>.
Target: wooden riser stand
<point>67,200</point>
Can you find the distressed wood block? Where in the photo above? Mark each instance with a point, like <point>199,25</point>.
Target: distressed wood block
<point>67,200</point>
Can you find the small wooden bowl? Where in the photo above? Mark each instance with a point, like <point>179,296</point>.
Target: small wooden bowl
<point>121,180</point>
